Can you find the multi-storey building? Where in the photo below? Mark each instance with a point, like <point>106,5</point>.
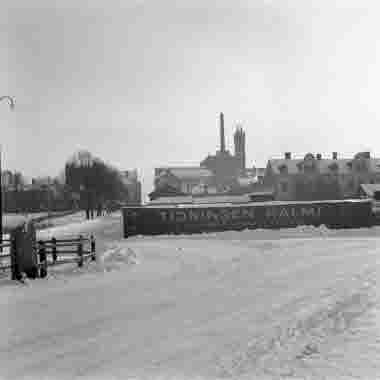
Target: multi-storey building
<point>315,177</point>
<point>12,181</point>
<point>133,185</point>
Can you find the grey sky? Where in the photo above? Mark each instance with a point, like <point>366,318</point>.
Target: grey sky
<point>140,83</point>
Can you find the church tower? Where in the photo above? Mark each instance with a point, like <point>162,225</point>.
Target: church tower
<point>222,139</point>
<point>239,142</point>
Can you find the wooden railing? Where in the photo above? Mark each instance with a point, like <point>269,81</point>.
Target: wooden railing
<point>63,251</point>
<point>47,253</point>
<point>5,255</point>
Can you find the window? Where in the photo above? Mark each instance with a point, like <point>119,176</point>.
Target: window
<point>283,169</point>
<point>334,167</point>
<point>284,187</point>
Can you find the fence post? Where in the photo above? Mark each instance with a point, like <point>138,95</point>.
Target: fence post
<point>54,249</point>
<point>80,251</point>
<point>93,254</point>
<point>42,259</point>
<point>15,273</point>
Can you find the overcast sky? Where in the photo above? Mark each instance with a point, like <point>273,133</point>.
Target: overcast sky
<point>140,83</point>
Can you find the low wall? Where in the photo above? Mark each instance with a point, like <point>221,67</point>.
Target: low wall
<point>151,220</point>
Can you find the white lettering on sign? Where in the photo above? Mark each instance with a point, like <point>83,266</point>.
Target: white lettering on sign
<point>164,215</point>
<point>248,212</point>
<point>235,213</point>
<point>194,215</point>
<point>132,214</point>
<point>312,212</point>
<point>180,216</point>
<point>283,213</point>
<point>230,215</point>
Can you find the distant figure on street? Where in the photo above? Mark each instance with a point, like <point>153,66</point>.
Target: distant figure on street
<point>42,259</point>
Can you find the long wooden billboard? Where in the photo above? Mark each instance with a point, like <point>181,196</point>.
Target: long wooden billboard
<point>151,220</point>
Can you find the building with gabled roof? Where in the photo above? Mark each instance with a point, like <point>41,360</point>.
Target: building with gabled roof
<point>314,177</point>
<point>184,179</point>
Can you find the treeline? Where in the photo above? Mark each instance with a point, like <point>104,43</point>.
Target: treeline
<point>97,184</point>
<point>37,200</point>
<point>85,182</point>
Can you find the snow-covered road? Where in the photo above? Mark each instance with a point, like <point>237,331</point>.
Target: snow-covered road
<point>298,303</point>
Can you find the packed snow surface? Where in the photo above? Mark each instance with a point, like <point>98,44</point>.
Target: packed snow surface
<point>292,303</point>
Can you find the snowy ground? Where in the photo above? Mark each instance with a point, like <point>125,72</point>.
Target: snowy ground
<point>297,303</point>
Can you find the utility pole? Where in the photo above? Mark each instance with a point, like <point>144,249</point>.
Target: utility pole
<point>11,103</point>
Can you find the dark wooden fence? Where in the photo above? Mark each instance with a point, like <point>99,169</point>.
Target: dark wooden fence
<point>63,251</point>
<point>48,253</point>
<point>5,255</point>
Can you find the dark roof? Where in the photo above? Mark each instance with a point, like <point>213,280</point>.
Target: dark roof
<point>261,193</point>
<point>370,188</point>
<point>264,203</point>
<point>222,198</point>
<point>323,165</point>
<point>165,191</point>
<point>210,199</point>
<point>167,200</point>
<point>190,172</point>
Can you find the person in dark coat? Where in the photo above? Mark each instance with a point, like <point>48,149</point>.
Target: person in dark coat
<point>42,259</point>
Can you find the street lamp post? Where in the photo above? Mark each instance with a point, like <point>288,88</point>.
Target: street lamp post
<point>11,103</point>
<point>89,201</point>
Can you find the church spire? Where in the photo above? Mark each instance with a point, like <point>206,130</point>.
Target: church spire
<point>239,140</point>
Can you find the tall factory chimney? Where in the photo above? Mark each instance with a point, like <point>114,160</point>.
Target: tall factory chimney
<point>222,142</point>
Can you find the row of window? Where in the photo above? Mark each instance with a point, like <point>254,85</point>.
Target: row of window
<point>334,167</point>
<point>350,185</point>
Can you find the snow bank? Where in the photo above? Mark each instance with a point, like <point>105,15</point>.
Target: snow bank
<point>305,231</point>
<point>240,305</point>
